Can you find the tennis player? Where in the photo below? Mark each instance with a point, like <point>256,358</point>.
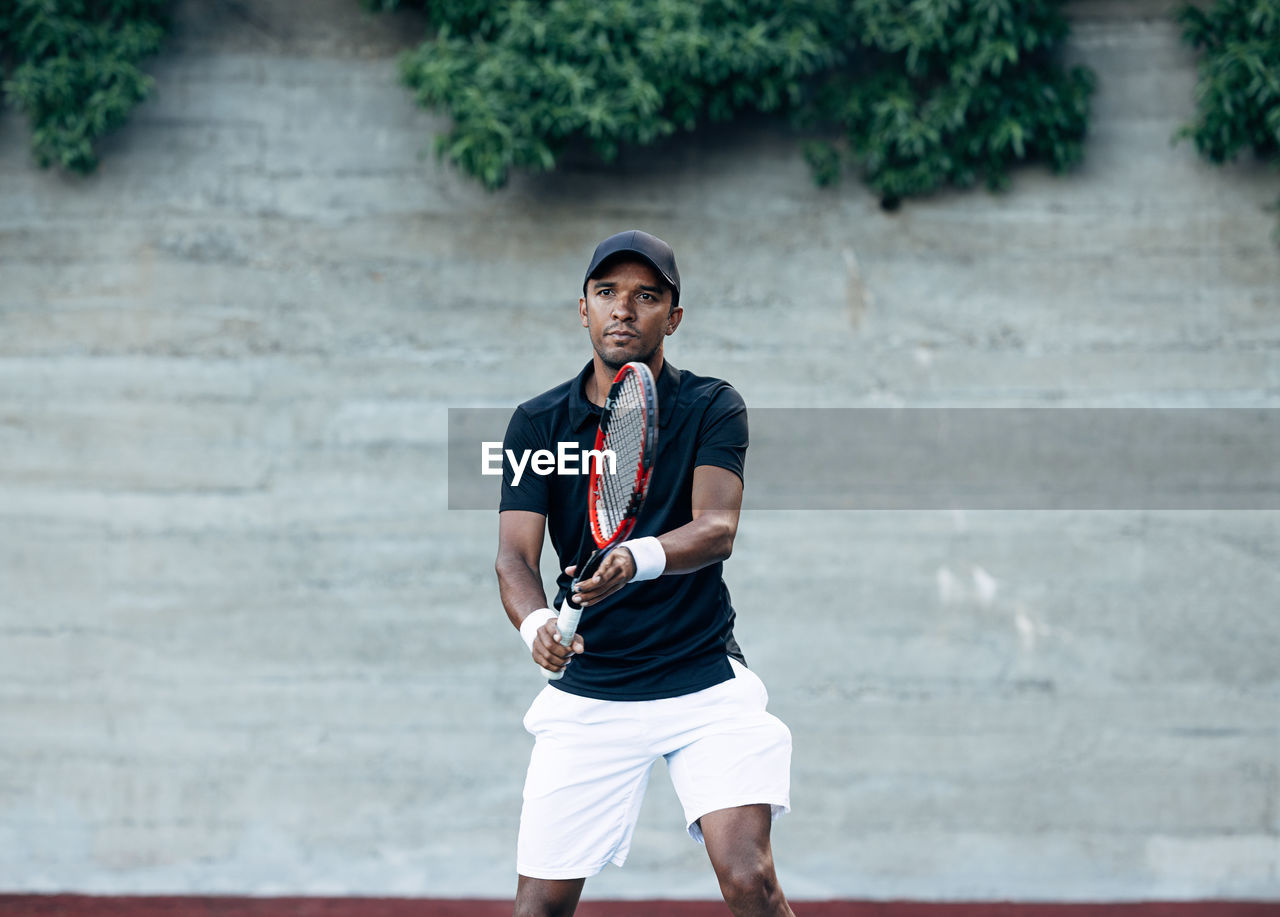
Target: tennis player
<point>654,670</point>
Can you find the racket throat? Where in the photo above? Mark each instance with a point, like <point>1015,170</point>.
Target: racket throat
<point>589,568</point>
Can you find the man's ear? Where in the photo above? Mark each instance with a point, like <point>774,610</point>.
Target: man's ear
<point>673,319</point>
<point>582,311</point>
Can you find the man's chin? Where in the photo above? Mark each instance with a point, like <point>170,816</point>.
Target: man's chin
<point>616,357</point>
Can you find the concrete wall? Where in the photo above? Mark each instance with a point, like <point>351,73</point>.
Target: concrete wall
<point>245,648</point>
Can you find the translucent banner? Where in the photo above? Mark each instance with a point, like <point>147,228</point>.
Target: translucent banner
<point>957,458</point>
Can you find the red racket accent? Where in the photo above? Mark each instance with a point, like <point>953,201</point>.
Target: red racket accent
<point>628,428</point>
<point>615,493</point>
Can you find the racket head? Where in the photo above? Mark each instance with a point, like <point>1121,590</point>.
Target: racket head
<point>628,428</point>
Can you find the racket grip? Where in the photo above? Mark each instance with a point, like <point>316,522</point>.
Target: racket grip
<point>567,623</point>
<point>570,613</point>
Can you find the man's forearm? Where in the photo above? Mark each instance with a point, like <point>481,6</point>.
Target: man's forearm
<point>520,587</point>
<point>706,540</point>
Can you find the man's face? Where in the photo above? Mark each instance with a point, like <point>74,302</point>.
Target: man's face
<point>627,311</point>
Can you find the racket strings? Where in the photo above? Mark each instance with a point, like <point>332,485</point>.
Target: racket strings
<point>624,435</point>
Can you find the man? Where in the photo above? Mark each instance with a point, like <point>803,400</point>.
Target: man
<point>654,670</point>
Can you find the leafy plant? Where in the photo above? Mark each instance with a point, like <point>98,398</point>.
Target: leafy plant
<point>75,69</point>
<point>1238,94</point>
<point>924,92</point>
<point>949,92</point>
<point>524,80</point>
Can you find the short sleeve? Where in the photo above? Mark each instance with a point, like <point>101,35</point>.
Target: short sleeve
<point>722,438</point>
<point>532,493</point>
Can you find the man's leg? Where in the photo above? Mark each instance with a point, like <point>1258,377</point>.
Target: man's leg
<point>582,794</point>
<point>738,844</point>
<point>547,897</point>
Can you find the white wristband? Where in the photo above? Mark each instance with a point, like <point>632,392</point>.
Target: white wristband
<point>649,556</point>
<point>532,622</point>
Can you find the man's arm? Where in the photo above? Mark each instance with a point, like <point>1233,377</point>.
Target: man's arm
<point>705,540</point>
<point>520,535</point>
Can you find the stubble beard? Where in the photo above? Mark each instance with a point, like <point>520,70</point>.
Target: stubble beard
<point>615,361</point>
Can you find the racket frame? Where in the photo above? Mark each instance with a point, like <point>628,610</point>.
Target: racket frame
<point>570,612</point>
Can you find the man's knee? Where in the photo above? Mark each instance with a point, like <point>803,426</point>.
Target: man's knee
<point>749,884</point>
<point>542,909</point>
<point>547,898</point>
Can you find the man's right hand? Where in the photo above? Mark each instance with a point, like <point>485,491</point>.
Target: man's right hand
<point>547,651</point>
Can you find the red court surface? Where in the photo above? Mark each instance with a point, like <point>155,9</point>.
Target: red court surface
<point>94,906</point>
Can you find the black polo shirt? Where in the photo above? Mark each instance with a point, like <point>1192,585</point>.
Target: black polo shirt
<point>663,637</point>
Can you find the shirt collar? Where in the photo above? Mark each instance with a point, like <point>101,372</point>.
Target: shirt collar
<point>668,390</point>
<point>581,411</point>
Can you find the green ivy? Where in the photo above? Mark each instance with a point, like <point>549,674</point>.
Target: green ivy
<point>944,92</point>
<point>524,80</point>
<point>923,92</point>
<point>74,69</point>
<point>1238,93</point>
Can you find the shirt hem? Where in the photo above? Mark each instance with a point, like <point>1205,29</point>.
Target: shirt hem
<point>710,681</point>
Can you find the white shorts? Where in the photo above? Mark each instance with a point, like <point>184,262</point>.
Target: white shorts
<point>591,763</point>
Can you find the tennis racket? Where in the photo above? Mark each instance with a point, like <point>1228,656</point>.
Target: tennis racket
<point>629,429</point>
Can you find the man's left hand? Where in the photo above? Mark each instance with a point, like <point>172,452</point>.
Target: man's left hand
<point>613,573</point>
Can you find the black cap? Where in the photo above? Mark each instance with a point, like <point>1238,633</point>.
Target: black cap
<point>649,248</point>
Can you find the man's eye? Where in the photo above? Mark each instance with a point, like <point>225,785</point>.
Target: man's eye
<point>646,296</point>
